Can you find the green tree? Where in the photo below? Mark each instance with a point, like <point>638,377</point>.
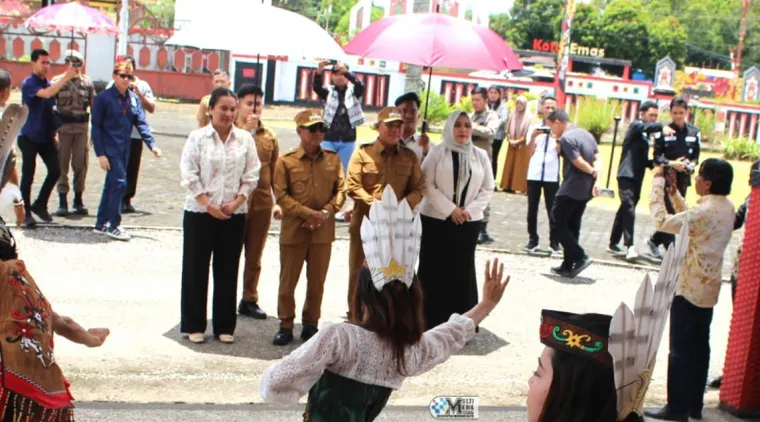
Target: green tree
<point>624,32</point>
<point>667,37</point>
<point>540,19</point>
<point>342,28</point>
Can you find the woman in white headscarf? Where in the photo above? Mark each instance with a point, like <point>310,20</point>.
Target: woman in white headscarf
<point>514,178</point>
<point>458,186</point>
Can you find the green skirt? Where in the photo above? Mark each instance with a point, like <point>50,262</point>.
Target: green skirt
<point>335,398</point>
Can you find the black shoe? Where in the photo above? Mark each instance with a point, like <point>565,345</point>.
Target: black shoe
<point>283,337</point>
<point>79,208</point>
<point>485,238</point>
<point>127,208</point>
<point>531,247</point>
<point>562,271</point>
<point>42,213</point>
<point>615,249</point>
<point>63,206</point>
<point>580,266</point>
<point>654,250</point>
<point>308,332</point>
<point>29,221</point>
<point>251,309</point>
<point>666,415</point>
<point>696,414</point>
<point>555,249</point>
<point>715,382</point>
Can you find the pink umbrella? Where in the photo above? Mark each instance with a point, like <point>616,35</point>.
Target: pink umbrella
<point>433,39</point>
<point>72,17</point>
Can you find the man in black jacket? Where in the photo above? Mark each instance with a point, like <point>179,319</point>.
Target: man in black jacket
<point>633,165</point>
<point>678,152</point>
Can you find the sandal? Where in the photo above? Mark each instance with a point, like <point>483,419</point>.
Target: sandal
<point>226,338</point>
<point>196,338</point>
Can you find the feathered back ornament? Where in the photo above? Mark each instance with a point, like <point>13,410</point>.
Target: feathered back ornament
<point>391,237</point>
<point>13,118</point>
<point>635,335</point>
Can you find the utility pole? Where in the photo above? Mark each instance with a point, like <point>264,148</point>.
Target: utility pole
<point>742,32</point>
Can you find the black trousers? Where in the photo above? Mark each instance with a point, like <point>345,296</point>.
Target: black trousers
<point>534,198</point>
<point>630,193</point>
<point>205,236</point>
<point>133,168</point>
<point>662,238</point>
<point>567,214</point>
<point>495,148</point>
<point>689,357</point>
<point>49,154</point>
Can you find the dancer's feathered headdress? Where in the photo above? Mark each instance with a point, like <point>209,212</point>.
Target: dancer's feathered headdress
<point>391,238</point>
<point>635,335</point>
<point>14,117</point>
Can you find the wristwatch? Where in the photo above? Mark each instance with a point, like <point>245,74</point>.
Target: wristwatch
<point>327,214</point>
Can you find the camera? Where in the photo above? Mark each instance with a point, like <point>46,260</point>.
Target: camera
<point>76,63</point>
<point>689,169</point>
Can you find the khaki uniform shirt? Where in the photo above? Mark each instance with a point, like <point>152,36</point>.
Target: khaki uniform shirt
<point>302,185</point>
<point>372,167</point>
<point>202,114</point>
<point>73,103</point>
<point>268,150</point>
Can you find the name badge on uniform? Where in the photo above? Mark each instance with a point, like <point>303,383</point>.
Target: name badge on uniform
<point>670,138</point>
<point>657,135</point>
<point>691,139</point>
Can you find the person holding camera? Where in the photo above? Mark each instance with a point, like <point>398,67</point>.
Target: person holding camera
<point>37,137</point>
<point>543,174</point>
<point>679,153</point>
<point>73,104</point>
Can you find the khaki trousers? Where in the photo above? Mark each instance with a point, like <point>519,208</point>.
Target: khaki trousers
<point>355,262</point>
<point>292,257</point>
<point>72,149</point>
<point>257,224</point>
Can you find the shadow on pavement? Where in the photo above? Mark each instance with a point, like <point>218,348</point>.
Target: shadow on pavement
<point>253,339</point>
<point>53,233</point>
<point>565,280</point>
<point>484,343</point>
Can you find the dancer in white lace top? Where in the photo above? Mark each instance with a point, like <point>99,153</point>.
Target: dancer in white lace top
<point>350,370</point>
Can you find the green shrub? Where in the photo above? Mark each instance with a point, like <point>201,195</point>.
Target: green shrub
<point>438,108</point>
<point>464,104</point>
<point>705,121</point>
<point>741,149</point>
<point>594,115</point>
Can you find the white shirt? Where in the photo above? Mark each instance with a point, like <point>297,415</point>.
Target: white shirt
<point>222,170</point>
<point>361,355</point>
<point>413,143</point>
<point>438,171</point>
<point>544,163</point>
<point>147,92</point>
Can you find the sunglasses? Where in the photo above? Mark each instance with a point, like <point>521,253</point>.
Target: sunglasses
<point>126,76</point>
<point>315,128</point>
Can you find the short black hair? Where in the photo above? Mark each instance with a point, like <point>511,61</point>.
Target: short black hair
<point>249,89</point>
<point>719,173</point>
<point>560,115</point>
<point>754,167</point>
<point>496,88</point>
<point>219,93</point>
<point>218,72</point>
<point>409,96</point>
<point>679,102</point>
<point>5,79</point>
<point>131,60</point>
<point>480,90</point>
<point>546,98</point>
<point>646,105</point>
<point>37,53</point>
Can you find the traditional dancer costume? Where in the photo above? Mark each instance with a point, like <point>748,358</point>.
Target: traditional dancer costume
<point>348,371</point>
<point>626,342</point>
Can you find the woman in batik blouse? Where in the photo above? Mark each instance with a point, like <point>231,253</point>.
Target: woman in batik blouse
<point>350,369</point>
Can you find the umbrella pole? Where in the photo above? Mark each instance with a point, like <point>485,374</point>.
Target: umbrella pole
<point>427,100</point>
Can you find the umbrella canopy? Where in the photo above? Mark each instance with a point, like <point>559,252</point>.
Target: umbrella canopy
<point>11,10</point>
<point>434,40</point>
<point>72,17</point>
<point>257,29</point>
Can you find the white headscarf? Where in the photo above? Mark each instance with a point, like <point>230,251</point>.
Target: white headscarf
<point>464,150</point>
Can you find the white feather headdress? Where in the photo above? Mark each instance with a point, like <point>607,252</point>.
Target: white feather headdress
<point>13,118</point>
<point>635,335</point>
<point>391,237</point>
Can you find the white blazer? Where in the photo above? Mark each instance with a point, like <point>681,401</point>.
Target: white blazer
<point>438,170</point>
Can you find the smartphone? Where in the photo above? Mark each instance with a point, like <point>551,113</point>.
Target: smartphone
<point>333,61</point>
<point>544,129</point>
<point>76,64</point>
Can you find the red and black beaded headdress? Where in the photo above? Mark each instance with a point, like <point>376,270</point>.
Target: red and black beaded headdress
<point>583,335</point>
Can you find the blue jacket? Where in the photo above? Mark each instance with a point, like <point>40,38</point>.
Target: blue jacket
<point>113,116</point>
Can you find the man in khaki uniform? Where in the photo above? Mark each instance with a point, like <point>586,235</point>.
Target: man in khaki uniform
<point>221,79</point>
<point>73,104</point>
<point>485,124</point>
<point>309,186</point>
<point>260,202</point>
<point>372,167</point>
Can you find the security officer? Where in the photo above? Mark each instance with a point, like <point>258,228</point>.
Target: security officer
<point>373,166</point>
<point>678,152</point>
<point>634,162</point>
<point>260,203</point>
<point>73,104</point>
<point>310,189</point>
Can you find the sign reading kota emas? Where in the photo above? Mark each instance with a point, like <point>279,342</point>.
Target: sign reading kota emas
<point>575,48</point>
